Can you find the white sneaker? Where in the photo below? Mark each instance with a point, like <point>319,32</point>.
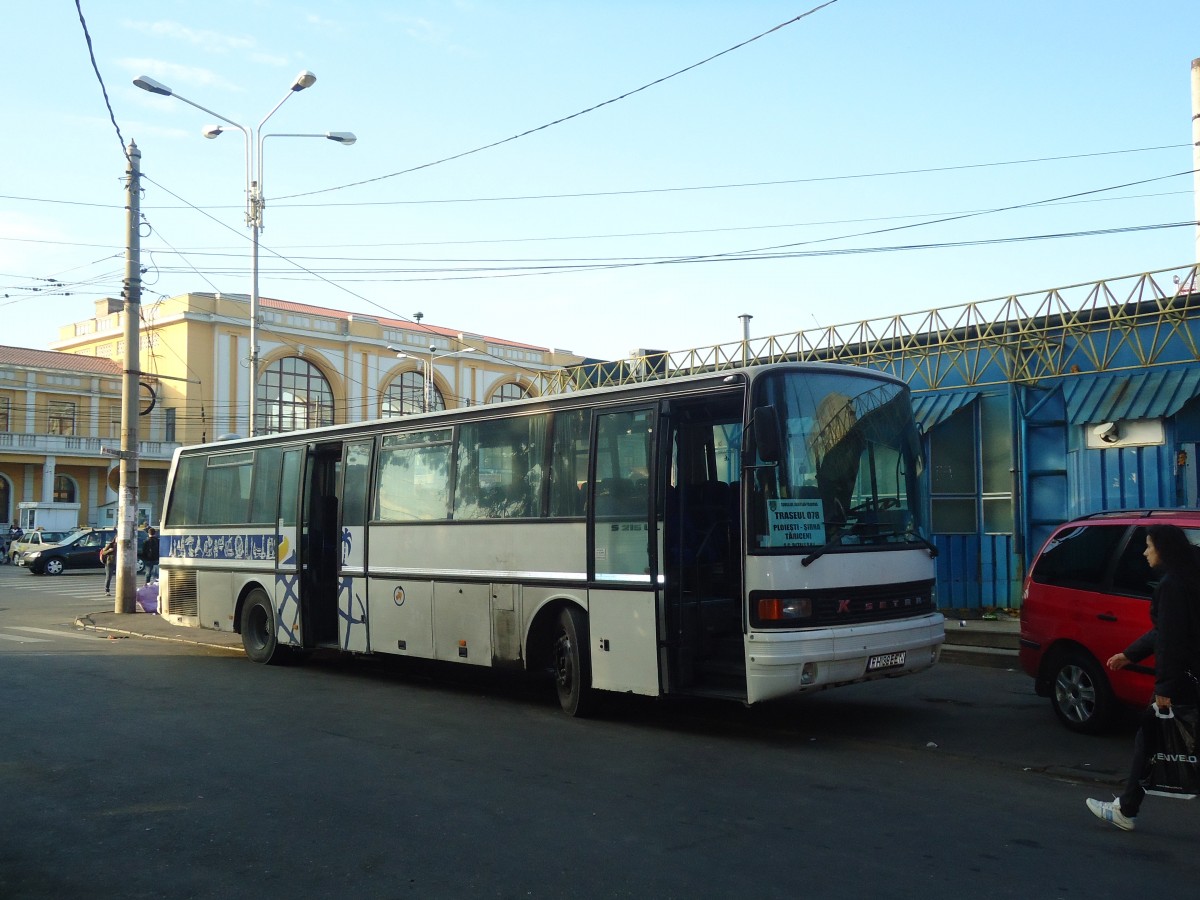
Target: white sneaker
<point>1111,812</point>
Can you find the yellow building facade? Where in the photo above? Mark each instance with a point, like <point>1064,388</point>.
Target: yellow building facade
<point>59,414</point>
<point>317,366</point>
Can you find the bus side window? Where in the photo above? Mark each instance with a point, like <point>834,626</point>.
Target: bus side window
<point>413,477</point>
<point>500,468</point>
<point>569,464</point>
<point>186,488</point>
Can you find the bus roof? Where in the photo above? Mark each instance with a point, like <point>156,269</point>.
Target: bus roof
<point>710,380</point>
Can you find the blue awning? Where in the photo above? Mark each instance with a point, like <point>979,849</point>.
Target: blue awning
<point>1133,395</point>
<point>934,407</point>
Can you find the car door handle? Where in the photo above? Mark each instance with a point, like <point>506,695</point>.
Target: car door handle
<point>1106,617</point>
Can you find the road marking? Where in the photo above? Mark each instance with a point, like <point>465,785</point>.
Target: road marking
<point>68,634</point>
<point>22,639</point>
<point>93,591</point>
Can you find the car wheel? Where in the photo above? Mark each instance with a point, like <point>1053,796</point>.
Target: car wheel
<point>1080,693</point>
<point>53,567</point>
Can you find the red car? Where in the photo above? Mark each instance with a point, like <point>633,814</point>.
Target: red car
<point>1087,596</point>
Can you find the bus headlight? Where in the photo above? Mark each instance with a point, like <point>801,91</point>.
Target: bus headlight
<point>773,609</point>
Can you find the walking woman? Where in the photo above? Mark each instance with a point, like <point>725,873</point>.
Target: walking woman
<point>108,556</point>
<point>1174,639</point>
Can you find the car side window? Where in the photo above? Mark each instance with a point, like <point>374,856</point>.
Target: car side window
<point>1133,574</point>
<point>1078,557</point>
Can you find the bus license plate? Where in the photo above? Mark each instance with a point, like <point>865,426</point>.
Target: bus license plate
<point>885,661</point>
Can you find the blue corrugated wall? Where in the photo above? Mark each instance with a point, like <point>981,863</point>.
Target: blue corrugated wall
<point>977,571</point>
<point>1123,478</point>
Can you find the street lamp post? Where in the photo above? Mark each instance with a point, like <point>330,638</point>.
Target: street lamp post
<point>255,201</point>
<point>429,372</point>
<point>427,367</point>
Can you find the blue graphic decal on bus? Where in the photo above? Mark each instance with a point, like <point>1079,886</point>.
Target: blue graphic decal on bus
<point>220,546</point>
<point>347,598</point>
<point>289,584</point>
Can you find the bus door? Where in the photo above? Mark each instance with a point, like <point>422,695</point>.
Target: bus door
<point>353,633</point>
<point>622,554</point>
<point>287,548</point>
<point>702,544</point>
<point>320,546</point>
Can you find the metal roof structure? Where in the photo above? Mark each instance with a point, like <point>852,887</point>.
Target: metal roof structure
<point>1126,323</point>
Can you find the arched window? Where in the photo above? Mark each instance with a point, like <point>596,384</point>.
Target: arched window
<point>509,391</point>
<point>406,395</point>
<point>64,489</point>
<point>292,394</point>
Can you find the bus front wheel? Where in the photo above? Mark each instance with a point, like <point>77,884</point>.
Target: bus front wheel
<point>572,663</point>
<point>259,630</point>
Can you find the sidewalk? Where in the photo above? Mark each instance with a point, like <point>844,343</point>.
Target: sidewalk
<point>980,642</point>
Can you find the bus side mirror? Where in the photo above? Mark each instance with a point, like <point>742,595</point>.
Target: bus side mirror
<point>766,433</point>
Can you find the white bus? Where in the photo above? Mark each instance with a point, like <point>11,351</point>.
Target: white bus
<point>747,534</point>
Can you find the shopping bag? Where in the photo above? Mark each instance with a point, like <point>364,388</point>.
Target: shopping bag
<point>147,597</point>
<point>1172,768</point>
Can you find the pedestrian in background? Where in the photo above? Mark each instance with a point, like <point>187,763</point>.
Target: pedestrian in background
<point>108,556</point>
<point>13,535</point>
<point>150,555</point>
<point>1174,639</point>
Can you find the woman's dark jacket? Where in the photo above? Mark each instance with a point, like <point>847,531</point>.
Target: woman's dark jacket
<point>1174,640</point>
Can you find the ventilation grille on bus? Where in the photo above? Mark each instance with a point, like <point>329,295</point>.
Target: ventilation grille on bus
<point>181,593</point>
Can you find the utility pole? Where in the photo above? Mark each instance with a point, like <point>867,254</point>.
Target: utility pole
<point>127,503</point>
<point>1196,158</point>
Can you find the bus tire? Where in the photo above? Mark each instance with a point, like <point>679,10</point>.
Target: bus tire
<point>572,663</point>
<point>259,629</point>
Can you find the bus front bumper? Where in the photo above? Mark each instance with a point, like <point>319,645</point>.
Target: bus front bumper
<point>792,662</point>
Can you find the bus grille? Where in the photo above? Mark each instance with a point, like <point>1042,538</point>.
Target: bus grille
<point>852,605</point>
<point>181,593</point>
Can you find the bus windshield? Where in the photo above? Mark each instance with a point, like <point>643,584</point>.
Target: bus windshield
<point>838,464</point>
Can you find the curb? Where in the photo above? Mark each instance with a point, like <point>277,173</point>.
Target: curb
<point>995,657</point>
<point>86,623</point>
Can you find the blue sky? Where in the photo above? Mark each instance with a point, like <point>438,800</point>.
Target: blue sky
<point>591,234</point>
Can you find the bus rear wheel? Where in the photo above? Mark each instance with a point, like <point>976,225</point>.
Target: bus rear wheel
<point>572,663</point>
<point>260,631</point>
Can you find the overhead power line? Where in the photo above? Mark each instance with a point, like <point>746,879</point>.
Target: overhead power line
<point>575,115</point>
<point>623,192</point>
<point>730,186</point>
<point>96,68</point>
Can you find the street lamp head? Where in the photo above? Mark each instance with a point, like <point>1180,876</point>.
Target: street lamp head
<point>305,79</point>
<point>345,138</point>
<point>146,83</point>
